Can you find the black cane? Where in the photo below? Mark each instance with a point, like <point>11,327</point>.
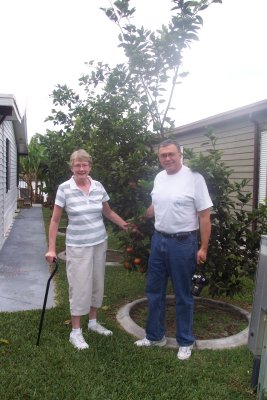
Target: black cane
<point>45,300</point>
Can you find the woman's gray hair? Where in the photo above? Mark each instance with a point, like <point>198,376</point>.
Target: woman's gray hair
<point>81,155</point>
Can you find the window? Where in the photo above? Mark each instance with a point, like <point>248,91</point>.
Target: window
<point>263,167</point>
<point>7,165</point>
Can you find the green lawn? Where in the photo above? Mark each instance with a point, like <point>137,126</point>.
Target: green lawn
<point>112,368</point>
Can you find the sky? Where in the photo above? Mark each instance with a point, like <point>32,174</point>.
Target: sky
<point>45,43</point>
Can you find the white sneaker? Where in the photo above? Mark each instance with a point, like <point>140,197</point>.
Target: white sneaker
<point>184,352</point>
<point>148,343</point>
<point>77,340</point>
<point>100,329</point>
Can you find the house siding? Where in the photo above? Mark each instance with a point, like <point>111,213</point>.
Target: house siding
<point>2,184</point>
<point>235,141</point>
<point>236,138</point>
<point>8,198</point>
<point>263,167</point>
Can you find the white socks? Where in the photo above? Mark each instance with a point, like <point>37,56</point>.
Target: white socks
<point>92,322</point>
<point>76,330</point>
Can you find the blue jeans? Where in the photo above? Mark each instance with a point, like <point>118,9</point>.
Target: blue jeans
<point>174,258</point>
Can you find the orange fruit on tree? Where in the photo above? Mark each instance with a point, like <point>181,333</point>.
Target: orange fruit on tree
<point>137,261</point>
<point>127,265</point>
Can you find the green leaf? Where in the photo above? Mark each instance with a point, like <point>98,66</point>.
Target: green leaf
<point>4,342</point>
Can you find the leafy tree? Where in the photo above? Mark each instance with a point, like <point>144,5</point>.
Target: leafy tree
<point>155,58</point>
<point>113,123</point>
<point>113,119</point>
<point>236,229</point>
<point>234,244</point>
<point>117,137</point>
<point>32,167</point>
<point>57,149</point>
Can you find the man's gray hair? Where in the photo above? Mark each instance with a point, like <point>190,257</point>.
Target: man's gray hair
<point>168,142</point>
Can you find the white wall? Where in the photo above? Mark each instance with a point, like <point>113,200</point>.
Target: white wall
<point>2,184</point>
<point>8,199</point>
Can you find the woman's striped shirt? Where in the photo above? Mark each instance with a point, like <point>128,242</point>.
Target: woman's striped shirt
<point>85,219</point>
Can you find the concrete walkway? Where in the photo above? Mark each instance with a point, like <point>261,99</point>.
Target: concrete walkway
<point>23,269</point>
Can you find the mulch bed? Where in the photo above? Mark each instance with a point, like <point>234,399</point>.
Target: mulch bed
<point>210,321</point>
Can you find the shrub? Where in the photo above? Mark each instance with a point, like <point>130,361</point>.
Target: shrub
<point>236,228</point>
<point>136,244</point>
<point>236,231</point>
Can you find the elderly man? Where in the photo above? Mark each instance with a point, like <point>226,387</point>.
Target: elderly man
<point>181,207</point>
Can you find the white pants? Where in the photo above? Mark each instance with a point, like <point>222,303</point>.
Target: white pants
<point>86,275</point>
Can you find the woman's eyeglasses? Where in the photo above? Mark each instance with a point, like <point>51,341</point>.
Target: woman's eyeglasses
<point>82,165</point>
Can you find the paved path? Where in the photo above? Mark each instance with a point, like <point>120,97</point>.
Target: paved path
<point>23,269</point>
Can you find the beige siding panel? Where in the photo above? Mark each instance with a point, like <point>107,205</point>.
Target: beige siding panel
<point>263,167</point>
<point>239,175</point>
<point>236,133</point>
<point>235,140</point>
<point>237,178</point>
<point>245,175</point>
<point>201,143</point>
<point>241,141</point>
<point>263,126</point>
<point>239,162</point>
<point>239,150</point>
<point>246,139</point>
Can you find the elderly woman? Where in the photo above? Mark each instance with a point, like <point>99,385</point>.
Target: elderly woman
<point>85,201</point>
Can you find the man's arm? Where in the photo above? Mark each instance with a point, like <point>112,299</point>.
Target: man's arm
<point>205,231</point>
<point>150,212</point>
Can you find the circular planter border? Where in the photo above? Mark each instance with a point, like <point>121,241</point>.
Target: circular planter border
<point>240,339</point>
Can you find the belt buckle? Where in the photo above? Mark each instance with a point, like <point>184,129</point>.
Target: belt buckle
<point>182,236</point>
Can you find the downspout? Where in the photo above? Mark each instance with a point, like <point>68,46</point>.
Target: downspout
<point>256,172</point>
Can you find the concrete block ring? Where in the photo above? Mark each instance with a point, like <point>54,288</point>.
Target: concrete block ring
<point>239,339</point>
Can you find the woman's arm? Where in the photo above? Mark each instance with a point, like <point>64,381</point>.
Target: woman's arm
<point>53,228</point>
<point>113,217</point>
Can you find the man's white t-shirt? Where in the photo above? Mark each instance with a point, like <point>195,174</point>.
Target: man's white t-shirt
<point>177,199</point>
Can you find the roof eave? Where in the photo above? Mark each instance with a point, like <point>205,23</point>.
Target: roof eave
<point>19,123</point>
<point>249,110</point>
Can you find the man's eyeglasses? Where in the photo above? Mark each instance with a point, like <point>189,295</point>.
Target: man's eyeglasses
<point>163,156</point>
